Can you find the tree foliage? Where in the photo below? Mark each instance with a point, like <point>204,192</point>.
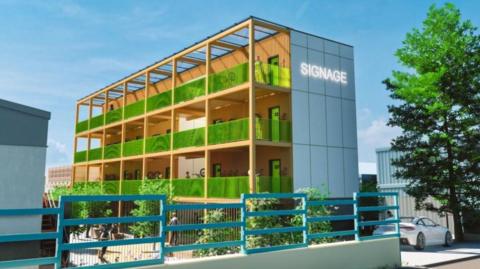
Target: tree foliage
<point>438,109</point>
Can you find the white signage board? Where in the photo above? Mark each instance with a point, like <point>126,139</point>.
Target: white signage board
<point>323,73</point>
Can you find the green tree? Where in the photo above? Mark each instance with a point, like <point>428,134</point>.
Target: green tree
<point>438,109</point>
<point>149,207</point>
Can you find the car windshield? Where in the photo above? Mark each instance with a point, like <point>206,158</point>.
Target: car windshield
<point>407,219</point>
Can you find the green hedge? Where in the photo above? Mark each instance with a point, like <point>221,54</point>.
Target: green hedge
<point>263,75</point>
<point>267,184</point>
<point>97,121</point>
<point>81,126</point>
<point>189,138</point>
<point>112,151</point>
<point>80,156</point>
<point>113,116</point>
<point>160,100</point>
<point>132,148</point>
<point>95,154</point>
<point>111,187</point>
<point>227,187</point>
<point>188,187</point>
<point>190,90</point>
<point>135,109</point>
<point>157,143</point>
<point>228,78</point>
<point>235,130</point>
<point>263,130</point>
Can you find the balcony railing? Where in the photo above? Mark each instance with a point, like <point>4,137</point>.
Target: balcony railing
<point>189,138</point>
<point>231,131</point>
<point>274,130</point>
<point>188,187</point>
<point>157,143</point>
<point>160,100</point>
<point>190,90</point>
<point>80,156</point>
<point>95,154</point>
<point>273,75</point>
<point>227,187</point>
<point>97,121</point>
<point>113,116</point>
<point>112,151</point>
<point>132,148</point>
<point>81,126</point>
<point>228,78</point>
<point>274,184</point>
<point>134,109</point>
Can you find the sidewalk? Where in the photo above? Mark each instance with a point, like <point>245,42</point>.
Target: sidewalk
<point>436,255</point>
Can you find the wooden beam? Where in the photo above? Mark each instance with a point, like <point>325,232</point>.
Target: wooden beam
<point>161,72</point>
<point>136,82</point>
<point>191,60</point>
<point>226,45</point>
<point>270,26</point>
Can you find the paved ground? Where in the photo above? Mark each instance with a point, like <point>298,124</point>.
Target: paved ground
<point>468,264</point>
<point>439,255</point>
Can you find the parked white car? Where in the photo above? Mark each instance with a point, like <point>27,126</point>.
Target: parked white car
<point>418,232</point>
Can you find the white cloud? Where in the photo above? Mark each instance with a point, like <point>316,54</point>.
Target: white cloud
<point>376,135</point>
<point>58,147</point>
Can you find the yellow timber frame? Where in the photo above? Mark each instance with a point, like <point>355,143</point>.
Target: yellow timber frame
<point>251,86</point>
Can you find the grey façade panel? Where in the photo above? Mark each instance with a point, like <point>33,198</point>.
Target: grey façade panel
<point>298,38</point>
<point>332,47</point>
<point>348,90</point>
<point>332,88</point>
<point>298,56</point>
<point>301,164</point>
<point>336,180</point>
<point>315,43</point>
<point>319,167</point>
<point>346,51</point>
<point>350,164</point>
<point>300,118</point>
<point>318,121</point>
<point>349,124</point>
<point>316,85</point>
<point>334,121</point>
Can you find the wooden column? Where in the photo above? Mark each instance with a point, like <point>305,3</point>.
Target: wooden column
<point>207,120</point>
<point>122,162</point>
<point>75,145</point>
<point>251,107</point>
<point>145,126</point>
<point>89,138</point>
<point>172,121</point>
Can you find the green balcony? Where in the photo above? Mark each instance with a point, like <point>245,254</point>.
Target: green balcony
<point>97,121</point>
<point>112,151</point>
<point>227,187</point>
<point>80,156</point>
<point>273,130</point>
<point>134,109</point>
<point>131,187</point>
<point>189,138</point>
<point>111,186</point>
<point>157,143</point>
<point>273,75</point>
<point>158,101</point>
<point>188,187</point>
<point>95,154</point>
<point>274,184</point>
<point>113,116</point>
<point>231,131</point>
<point>228,78</point>
<point>190,90</point>
<point>133,148</point>
<point>81,126</point>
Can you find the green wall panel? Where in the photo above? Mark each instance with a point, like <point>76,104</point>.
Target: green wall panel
<point>189,138</point>
<point>236,130</point>
<point>158,101</point>
<point>228,78</point>
<point>135,109</point>
<point>97,121</point>
<point>81,126</point>
<point>95,154</point>
<point>132,148</point>
<point>113,116</point>
<point>157,143</point>
<point>265,75</point>
<point>190,90</point>
<point>80,156</point>
<point>112,151</point>
<point>188,187</point>
<point>227,187</point>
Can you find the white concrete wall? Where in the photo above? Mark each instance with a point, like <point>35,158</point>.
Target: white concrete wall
<point>323,118</point>
<point>371,254</point>
<point>193,166</point>
<point>22,180</point>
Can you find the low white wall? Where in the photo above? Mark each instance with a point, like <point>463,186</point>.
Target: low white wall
<point>371,254</point>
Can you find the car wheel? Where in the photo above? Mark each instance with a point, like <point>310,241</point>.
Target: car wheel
<point>420,245</point>
<point>448,239</point>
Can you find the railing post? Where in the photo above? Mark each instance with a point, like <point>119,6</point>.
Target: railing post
<point>356,218</point>
<point>305,220</point>
<point>243,238</point>
<point>163,224</point>
<point>61,215</point>
<point>397,215</point>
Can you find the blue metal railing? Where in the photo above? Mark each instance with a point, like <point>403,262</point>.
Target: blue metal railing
<point>302,207</point>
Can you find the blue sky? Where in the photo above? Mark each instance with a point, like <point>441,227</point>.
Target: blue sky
<point>55,52</point>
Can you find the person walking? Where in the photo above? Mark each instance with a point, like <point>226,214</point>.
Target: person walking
<point>105,235</point>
